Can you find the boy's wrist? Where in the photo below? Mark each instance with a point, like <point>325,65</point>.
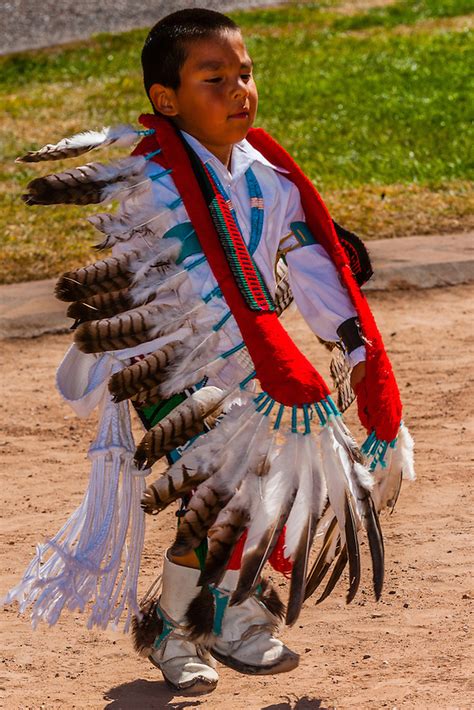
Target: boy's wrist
<point>356,356</point>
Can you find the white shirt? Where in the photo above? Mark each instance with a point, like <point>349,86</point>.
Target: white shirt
<point>317,290</point>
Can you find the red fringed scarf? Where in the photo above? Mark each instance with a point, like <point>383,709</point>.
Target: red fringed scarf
<point>283,371</point>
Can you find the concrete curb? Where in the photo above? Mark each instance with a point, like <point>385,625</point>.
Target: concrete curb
<point>29,310</point>
<point>421,262</point>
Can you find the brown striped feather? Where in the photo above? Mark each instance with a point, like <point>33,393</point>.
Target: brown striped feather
<point>124,330</point>
<point>144,374</point>
<point>170,487</point>
<point>202,512</point>
<point>102,305</point>
<point>222,538</point>
<point>181,424</point>
<point>96,278</point>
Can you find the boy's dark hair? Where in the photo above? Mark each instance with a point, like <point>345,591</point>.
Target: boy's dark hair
<point>165,48</point>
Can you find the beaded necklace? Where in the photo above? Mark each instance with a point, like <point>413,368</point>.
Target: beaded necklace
<point>256,205</point>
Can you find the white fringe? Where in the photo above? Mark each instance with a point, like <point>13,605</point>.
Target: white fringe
<point>95,557</point>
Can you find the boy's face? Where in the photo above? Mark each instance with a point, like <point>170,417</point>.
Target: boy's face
<point>216,101</point>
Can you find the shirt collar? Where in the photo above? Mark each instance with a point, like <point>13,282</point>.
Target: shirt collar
<point>243,156</point>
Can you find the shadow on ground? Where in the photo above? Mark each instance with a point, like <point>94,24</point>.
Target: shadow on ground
<point>303,703</point>
<point>146,694</point>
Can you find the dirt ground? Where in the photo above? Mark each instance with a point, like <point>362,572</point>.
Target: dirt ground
<point>410,650</point>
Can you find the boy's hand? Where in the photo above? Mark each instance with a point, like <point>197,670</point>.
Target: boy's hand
<point>357,375</point>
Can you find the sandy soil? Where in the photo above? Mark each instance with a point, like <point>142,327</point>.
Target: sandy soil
<point>410,650</point>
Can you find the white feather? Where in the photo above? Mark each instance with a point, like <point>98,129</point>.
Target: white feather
<point>320,492</point>
<point>118,170</point>
<point>302,506</point>
<point>80,143</point>
<point>399,463</point>
<point>334,475</point>
<point>405,448</point>
<point>274,490</point>
<point>218,445</point>
<point>140,221</point>
<point>195,356</point>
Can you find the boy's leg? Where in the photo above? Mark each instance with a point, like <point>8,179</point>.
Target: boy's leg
<point>243,635</point>
<point>246,640</point>
<point>185,665</point>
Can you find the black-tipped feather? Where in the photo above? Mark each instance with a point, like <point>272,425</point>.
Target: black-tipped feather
<point>298,573</point>
<point>353,552</point>
<point>252,566</point>
<point>320,567</point>
<point>338,569</point>
<point>374,534</point>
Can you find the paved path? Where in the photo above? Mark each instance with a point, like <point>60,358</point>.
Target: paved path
<point>27,24</point>
<point>28,310</point>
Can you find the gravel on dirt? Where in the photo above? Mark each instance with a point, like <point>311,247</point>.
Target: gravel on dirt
<point>410,650</point>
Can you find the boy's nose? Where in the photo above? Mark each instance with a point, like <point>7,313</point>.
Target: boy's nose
<point>240,88</point>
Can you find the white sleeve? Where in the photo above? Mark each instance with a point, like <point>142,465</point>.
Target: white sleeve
<point>318,292</point>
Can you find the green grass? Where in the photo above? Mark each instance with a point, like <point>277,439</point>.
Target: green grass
<point>367,109</point>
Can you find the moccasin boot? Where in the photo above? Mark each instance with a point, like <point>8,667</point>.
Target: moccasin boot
<point>246,640</point>
<point>186,666</point>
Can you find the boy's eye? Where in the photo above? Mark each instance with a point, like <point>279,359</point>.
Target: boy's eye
<point>214,80</point>
<point>246,77</point>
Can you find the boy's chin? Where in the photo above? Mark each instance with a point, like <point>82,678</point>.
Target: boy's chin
<point>239,133</point>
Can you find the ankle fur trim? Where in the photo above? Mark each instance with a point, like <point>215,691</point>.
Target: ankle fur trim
<point>145,628</point>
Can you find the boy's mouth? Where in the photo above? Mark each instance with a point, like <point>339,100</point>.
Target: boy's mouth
<point>240,114</point>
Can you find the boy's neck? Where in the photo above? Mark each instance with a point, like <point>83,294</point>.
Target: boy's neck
<point>222,153</point>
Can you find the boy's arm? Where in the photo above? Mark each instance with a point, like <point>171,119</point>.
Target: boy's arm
<point>318,292</point>
<point>322,300</point>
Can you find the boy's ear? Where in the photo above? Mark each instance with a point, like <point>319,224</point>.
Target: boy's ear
<point>164,99</point>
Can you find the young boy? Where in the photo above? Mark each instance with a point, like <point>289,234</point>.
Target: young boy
<point>198,77</point>
<point>198,73</point>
